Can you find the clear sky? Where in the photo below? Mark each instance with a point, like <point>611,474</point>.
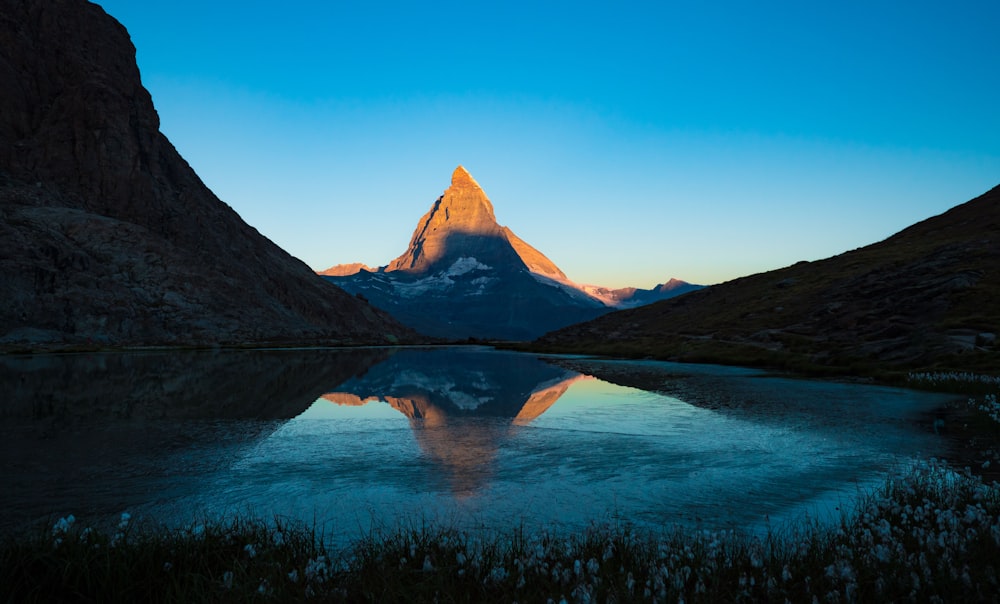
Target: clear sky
<point>630,142</point>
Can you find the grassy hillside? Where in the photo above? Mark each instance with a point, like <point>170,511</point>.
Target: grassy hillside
<point>927,297</point>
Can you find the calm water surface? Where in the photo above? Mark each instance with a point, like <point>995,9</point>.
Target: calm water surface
<point>470,437</point>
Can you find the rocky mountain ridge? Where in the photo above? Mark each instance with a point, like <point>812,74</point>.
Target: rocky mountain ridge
<point>464,275</point>
<point>108,237</point>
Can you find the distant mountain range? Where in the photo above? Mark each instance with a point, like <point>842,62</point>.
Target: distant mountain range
<point>465,276</point>
<point>927,297</point>
<point>108,237</point>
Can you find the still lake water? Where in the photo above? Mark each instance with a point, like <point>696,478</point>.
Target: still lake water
<point>470,437</point>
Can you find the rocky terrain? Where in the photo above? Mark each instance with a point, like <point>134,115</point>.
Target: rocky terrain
<point>108,237</point>
<point>927,297</point>
<point>465,276</point>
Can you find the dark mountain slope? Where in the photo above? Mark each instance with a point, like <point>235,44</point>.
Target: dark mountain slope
<point>107,235</point>
<point>928,296</point>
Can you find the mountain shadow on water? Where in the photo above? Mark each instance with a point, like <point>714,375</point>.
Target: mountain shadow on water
<point>67,390</point>
<point>107,429</point>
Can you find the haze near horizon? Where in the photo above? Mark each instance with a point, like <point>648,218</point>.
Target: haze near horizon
<point>628,144</point>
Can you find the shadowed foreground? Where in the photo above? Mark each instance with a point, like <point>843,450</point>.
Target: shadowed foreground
<point>930,535</point>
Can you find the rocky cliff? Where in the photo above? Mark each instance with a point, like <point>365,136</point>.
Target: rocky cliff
<point>108,237</point>
<point>927,297</point>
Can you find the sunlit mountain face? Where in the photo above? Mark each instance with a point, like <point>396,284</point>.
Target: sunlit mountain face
<point>465,276</point>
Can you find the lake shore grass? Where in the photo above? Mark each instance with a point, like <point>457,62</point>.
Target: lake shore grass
<point>930,534</point>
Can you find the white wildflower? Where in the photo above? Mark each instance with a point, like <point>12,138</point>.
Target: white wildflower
<point>317,570</point>
<point>250,550</point>
<point>497,574</point>
<point>882,553</point>
<point>227,579</point>
<point>63,525</point>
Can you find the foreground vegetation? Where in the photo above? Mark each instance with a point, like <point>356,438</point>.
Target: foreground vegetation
<point>930,534</point>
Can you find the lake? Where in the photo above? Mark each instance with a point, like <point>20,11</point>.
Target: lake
<point>471,437</point>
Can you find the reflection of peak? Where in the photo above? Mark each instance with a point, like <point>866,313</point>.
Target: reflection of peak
<point>346,399</point>
<point>461,402</point>
<point>460,382</point>
<point>544,397</point>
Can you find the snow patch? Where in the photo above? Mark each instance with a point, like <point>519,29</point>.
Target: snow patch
<point>444,280</point>
<point>570,287</point>
<point>465,264</point>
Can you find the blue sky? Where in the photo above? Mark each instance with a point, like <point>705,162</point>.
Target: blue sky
<point>629,142</point>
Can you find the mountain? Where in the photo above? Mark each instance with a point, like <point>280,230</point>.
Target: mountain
<point>927,297</point>
<point>463,275</point>
<point>108,236</point>
<point>631,297</point>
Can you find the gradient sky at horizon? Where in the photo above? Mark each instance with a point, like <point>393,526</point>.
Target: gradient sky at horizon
<point>630,143</point>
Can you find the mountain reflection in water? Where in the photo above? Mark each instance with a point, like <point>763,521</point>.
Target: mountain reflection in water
<point>441,391</point>
<point>355,440</point>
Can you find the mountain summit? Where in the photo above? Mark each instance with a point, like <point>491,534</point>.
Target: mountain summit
<point>461,223</point>
<point>464,275</point>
